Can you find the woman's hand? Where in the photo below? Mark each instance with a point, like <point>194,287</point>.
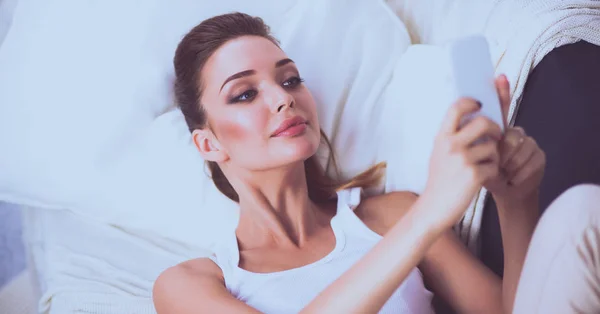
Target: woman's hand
<point>460,164</point>
<point>522,165</point>
<point>522,162</point>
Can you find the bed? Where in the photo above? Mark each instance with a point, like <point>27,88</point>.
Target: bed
<point>82,257</point>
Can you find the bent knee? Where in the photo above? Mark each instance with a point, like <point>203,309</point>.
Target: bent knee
<point>584,192</point>
<point>579,204</point>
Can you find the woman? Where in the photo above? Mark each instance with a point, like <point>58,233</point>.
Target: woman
<point>298,247</point>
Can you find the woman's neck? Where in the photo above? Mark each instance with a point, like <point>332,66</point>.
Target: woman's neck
<point>275,209</point>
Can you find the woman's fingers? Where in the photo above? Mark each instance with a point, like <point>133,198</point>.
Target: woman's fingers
<point>523,153</point>
<point>460,109</point>
<point>487,172</point>
<point>533,165</point>
<point>511,142</point>
<point>478,128</point>
<point>520,156</point>
<point>486,152</point>
<point>503,89</point>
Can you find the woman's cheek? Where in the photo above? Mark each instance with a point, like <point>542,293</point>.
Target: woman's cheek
<point>242,128</point>
<point>307,104</point>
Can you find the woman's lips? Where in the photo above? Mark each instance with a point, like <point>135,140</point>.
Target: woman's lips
<point>290,127</point>
<point>292,131</point>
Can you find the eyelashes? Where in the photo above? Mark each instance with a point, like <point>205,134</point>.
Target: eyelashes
<point>245,96</point>
<point>293,82</point>
<point>249,95</point>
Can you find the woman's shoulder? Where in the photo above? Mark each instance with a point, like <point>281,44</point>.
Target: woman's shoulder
<point>195,286</point>
<point>381,212</point>
<point>194,267</point>
<point>193,275</point>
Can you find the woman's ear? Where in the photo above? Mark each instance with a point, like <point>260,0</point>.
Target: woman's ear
<point>209,147</point>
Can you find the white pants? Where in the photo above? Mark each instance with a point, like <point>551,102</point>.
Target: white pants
<point>562,268</point>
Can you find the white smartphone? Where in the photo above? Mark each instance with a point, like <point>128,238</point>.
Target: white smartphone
<point>473,75</point>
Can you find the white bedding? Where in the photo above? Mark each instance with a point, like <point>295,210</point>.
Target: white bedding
<point>91,267</point>
<point>6,12</point>
<point>12,252</point>
<point>114,275</point>
<point>138,199</point>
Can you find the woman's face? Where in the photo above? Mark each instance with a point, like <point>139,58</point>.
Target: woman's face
<point>260,114</point>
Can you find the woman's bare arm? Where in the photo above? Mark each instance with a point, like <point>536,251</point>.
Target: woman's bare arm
<point>367,286</point>
<point>195,286</point>
<point>517,224</point>
<point>450,270</point>
<point>459,278</point>
<point>468,285</point>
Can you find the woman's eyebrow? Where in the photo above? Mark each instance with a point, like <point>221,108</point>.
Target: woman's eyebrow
<point>237,76</point>
<point>283,62</point>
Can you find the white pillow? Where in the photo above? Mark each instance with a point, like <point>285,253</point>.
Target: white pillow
<point>83,83</point>
<point>80,81</point>
<point>417,99</point>
<point>88,266</point>
<point>440,21</point>
<point>7,8</point>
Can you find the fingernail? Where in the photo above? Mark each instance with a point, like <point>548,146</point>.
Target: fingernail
<point>479,104</point>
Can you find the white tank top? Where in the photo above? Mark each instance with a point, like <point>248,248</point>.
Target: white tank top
<point>291,290</point>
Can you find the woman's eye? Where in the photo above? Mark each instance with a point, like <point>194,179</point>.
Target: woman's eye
<point>245,96</point>
<point>292,82</point>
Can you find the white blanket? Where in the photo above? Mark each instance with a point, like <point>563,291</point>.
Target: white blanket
<point>521,33</point>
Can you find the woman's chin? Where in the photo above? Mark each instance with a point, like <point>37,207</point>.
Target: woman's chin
<point>298,150</point>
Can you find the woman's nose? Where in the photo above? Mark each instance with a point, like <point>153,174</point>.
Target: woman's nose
<point>279,99</point>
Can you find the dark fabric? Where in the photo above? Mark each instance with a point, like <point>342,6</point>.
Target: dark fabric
<point>560,108</point>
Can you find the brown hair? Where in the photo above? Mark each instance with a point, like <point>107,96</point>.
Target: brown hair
<point>190,57</point>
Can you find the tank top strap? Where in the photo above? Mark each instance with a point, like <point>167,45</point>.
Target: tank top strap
<point>349,198</point>
<point>226,255</point>
<point>348,201</point>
